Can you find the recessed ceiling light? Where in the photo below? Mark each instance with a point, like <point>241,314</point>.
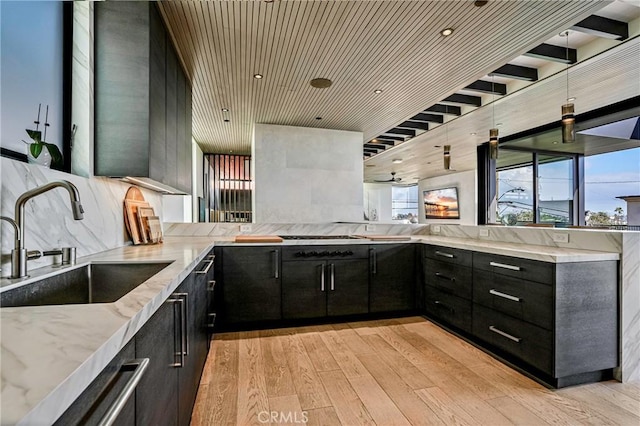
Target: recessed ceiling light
<point>396,160</point>
<point>480,3</point>
<point>571,99</point>
<point>258,76</point>
<point>225,109</point>
<point>555,142</point>
<point>321,83</point>
<point>374,140</point>
<point>446,32</point>
<point>498,124</point>
<point>377,91</point>
<point>318,118</point>
<point>370,165</point>
<point>437,146</point>
<point>226,120</point>
<point>472,133</point>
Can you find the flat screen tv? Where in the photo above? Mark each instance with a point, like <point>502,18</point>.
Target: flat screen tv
<point>441,203</point>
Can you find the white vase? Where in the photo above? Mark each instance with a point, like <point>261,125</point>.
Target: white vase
<point>44,159</point>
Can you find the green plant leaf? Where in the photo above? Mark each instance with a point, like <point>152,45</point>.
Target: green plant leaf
<point>56,155</point>
<point>36,135</point>
<point>36,149</point>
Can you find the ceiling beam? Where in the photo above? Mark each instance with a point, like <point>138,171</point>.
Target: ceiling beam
<point>603,27</point>
<point>553,53</point>
<point>484,86</point>
<point>390,138</point>
<point>432,118</point>
<point>517,72</point>
<point>401,132</point>
<point>458,98</point>
<point>445,109</point>
<point>414,125</point>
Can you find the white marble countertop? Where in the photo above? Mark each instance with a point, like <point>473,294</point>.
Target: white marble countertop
<point>525,251</point>
<point>51,353</point>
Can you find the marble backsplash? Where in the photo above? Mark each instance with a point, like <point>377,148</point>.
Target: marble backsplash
<point>48,218</point>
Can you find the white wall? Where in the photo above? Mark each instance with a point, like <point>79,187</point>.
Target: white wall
<point>377,201</point>
<point>177,208</point>
<point>466,182</point>
<point>306,175</point>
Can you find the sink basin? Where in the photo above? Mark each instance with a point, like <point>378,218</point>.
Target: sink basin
<point>92,283</point>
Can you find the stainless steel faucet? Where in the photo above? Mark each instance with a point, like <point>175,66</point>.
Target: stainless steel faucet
<point>20,255</point>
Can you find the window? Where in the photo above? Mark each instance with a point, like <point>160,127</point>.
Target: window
<point>34,73</point>
<point>404,203</point>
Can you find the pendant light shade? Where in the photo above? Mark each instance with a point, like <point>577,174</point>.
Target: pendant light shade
<point>447,157</point>
<point>568,124</point>
<point>493,144</point>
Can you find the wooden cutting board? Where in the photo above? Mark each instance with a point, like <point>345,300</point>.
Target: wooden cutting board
<point>258,239</point>
<point>385,237</point>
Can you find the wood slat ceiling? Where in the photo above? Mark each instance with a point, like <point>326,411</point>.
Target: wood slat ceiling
<point>394,46</point>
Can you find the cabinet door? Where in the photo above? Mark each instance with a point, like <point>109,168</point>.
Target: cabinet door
<point>94,402</point>
<point>157,95</point>
<point>171,163</point>
<point>304,289</point>
<point>393,277</point>
<point>348,287</point>
<point>251,284</point>
<point>157,391</point>
<point>182,174</point>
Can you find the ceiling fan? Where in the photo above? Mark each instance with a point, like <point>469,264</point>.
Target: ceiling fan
<point>393,179</point>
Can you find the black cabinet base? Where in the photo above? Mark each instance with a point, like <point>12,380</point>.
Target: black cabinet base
<point>529,371</point>
<point>264,325</point>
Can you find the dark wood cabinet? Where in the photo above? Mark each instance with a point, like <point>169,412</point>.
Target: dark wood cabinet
<point>320,281</point>
<point>251,284</point>
<point>392,278</point>
<point>448,285</point>
<point>94,402</point>
<point>142,97</point>
<point>161,341</point>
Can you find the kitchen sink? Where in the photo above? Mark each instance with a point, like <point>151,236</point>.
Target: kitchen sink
<point>92,283</point>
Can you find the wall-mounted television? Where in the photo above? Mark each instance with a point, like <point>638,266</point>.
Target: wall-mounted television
<point>441,203</point>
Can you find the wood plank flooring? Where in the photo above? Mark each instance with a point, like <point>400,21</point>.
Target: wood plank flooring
<point>390,372</point>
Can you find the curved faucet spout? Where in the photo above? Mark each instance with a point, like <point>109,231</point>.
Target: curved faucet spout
<point>74,196</point>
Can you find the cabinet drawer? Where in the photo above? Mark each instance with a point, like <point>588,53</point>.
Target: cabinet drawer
<point>448,277</point>
<point>523,269</point>
<point>528,342</point>
<point>525,300</point>
<point>448,308</point>
<point>449,255</point>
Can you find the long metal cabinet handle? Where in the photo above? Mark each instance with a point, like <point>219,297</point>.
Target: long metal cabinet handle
<point>212,319</point>
<point>374,261</point>
<point>321,277</point>
<point>181,352</point>
<point>332,268</point>
<point>185,296</point>
<point>503,334</point>
<point>442,254</point>
<point>504,295</point>
<point>139,367</point>
<point>504,266</point>
<point>206,269</point>
<point>276,264</point>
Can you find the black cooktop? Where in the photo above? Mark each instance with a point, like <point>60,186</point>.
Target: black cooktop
<point>317,237</point>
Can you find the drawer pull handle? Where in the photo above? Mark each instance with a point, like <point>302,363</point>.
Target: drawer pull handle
<point>212,285</point>
<point>503,334</point>
<point>206,269</point>
<point>444,277</point>
<point>439,253</point>
<point>504,295</point>
<point>139,367</point>
<point>504,266</point>
<point>442,305</point>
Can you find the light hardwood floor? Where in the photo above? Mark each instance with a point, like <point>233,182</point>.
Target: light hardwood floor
<point>388,372</point>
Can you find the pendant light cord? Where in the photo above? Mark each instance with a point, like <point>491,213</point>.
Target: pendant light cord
<point>493,99</point>
<point>567,64</point>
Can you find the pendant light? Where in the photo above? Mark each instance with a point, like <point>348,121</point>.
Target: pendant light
<point>447,151</point>
<point>493,132</point>
<point>568,117</point>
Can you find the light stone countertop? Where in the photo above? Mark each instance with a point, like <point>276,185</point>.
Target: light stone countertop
<point>51,353</point>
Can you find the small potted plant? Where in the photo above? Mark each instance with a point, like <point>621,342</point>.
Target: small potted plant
<point>49,157</point>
